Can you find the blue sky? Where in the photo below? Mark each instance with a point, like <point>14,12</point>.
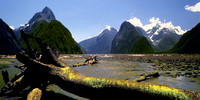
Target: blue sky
<point>86,18</point>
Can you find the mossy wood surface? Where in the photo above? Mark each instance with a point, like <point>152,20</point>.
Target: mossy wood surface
<point>39,72</point>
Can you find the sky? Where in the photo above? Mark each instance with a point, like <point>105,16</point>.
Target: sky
<point>86,18</point>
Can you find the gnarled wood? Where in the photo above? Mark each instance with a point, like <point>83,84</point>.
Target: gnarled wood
<point>147,76</point>
<point>89,61</point>
<point>101,88</point>
<point>22,67</point>
<point>50,68</point>
<point>25,37</point>
<point>5,76</point>
<point>14,87</point>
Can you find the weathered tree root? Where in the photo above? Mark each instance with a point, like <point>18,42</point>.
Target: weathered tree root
<point>101,88</point>
<point>89,61</point>
<point>14,87</point>
<point>16,84</point>
<point>22,67</point>
<point>5,76</point>
<point>50,68</point>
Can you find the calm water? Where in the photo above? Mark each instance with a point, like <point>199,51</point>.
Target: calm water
<point>108,67</point>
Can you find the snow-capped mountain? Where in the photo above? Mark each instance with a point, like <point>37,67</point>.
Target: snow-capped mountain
<point>163,36</point>
<point>156,30</point>
<point>107,33</point>
<point>100,44</point>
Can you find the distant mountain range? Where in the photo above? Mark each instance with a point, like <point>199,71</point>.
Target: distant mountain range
<point>163,36</point>
<point>100,44</point>
<point>134,39</point>
<point>129,41</point>
<point>8,42</point>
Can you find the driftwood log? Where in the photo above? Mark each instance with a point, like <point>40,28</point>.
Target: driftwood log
<point>147,76</point>
<point>49,68</point>
<point>89,61</point>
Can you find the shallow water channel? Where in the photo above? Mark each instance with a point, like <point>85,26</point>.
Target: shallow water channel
<point>108,67</point>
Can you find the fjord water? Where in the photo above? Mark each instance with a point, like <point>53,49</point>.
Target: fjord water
<point>108,67</point>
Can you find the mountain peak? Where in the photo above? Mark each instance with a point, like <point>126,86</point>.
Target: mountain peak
<point>100,44</point>
<point>126,25</point>
<point>129,40</point>
<point>158,25</point>
<point>61,42</point>
<point>135,22</point>
<point>46,14</point>
<point>108,29</point>
<point>47,10</point>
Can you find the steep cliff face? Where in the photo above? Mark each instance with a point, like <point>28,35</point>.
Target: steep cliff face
<point>189,42</point>
<point>57,36</point>
<point>8,41</point>
<point>128,40</point>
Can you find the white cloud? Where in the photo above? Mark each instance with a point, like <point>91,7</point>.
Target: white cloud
<point>12,27</point>
<point>155,22</point>
<point>179,30</point>
<point>195,8</point>
<point>135,21</point>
